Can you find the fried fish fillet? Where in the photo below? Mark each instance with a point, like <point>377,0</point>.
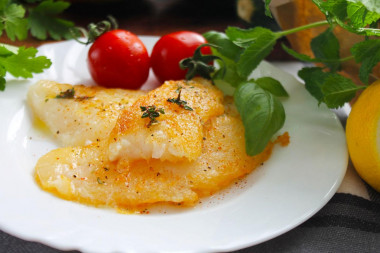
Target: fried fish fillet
<point>183,107</point>
<point>86,174</point>
<point>83,114</point>
<point>183,155</point>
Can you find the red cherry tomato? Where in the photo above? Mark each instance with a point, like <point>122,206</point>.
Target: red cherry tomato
<point>119,59</point>
<point>170,49</point>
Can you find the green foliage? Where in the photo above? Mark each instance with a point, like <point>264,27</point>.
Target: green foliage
<point>262,115</point>
<point>272,85</point>
<point>21,64</point>
<point>44,21</point>
<point>40,17</point>
<point>367,53</point>
<point>326,47</point>
<point>242,50</point>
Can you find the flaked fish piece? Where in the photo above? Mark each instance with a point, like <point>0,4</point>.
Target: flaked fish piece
<point>82,114</point>
<point>85,174</point>
<point>176,133</point>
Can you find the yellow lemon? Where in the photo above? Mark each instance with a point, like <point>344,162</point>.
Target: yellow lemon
<point>363,135</point>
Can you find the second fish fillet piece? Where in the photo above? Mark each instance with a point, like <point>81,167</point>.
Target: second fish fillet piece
<point>177,135</point>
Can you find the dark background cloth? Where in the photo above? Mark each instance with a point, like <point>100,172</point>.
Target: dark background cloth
<point>348,223</point>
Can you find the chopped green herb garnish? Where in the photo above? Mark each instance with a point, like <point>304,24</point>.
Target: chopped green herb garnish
<point>69,93</point>
<point>178,101</point>
<point>151,112</point>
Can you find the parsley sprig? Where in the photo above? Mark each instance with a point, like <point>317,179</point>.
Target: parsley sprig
<point>257,101</point>
<point>20,62</point>
<point>40,18</point>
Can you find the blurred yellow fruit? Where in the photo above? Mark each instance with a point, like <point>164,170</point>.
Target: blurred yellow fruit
<point>362,133</point>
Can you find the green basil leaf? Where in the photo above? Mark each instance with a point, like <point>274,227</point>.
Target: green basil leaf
<point>262,115</point>
<point>225,46</point>
<point>263,41</point>
<point>272,85</point>
<point>368,54</point>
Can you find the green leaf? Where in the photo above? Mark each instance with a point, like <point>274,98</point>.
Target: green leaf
<point>24,63</point>
<point>263,41</point>
<point>3,4</point>
<point>241,37</point>
<point>262,114</point>
<point>15,25</point>
<point>43,20</point>
<point>230,75</point>
<point>368,54</point>
<point>2,79</point>
<point>225,46</point>
<point>336,11</point>
<point>272,85</point>
<point>360,16</point>
<point>298,56</point>
<point>371,5</point>
<point>267,9</point>
<point>338,90</point>
<point>326,46</point>
<point>333,8</point>
<point>314,79</point>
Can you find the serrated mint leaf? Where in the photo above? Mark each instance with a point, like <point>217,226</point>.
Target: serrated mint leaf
<point>326,46</point>
<point>371,5</point>
<point>333,8</point>
<point>360,16</point>
<point>338,90</point>
<point>24,63</point>
<point>368,54</point>
<point>225,46</point>
<point>263,41</point>
<point>272,85</point>
<point>262,115</point>
<point>336,12</point>
<point>314,78</point>
<point>43,20</point>
<point>14,23</point>
<point>298,56</point>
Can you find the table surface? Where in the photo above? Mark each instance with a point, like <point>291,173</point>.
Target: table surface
<point>350,222</point>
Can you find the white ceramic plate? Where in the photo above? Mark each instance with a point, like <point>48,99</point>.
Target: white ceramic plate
<point>292,186</point>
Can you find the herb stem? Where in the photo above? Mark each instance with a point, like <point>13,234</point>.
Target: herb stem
<point>347,58</point>
<point>301,28</point>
